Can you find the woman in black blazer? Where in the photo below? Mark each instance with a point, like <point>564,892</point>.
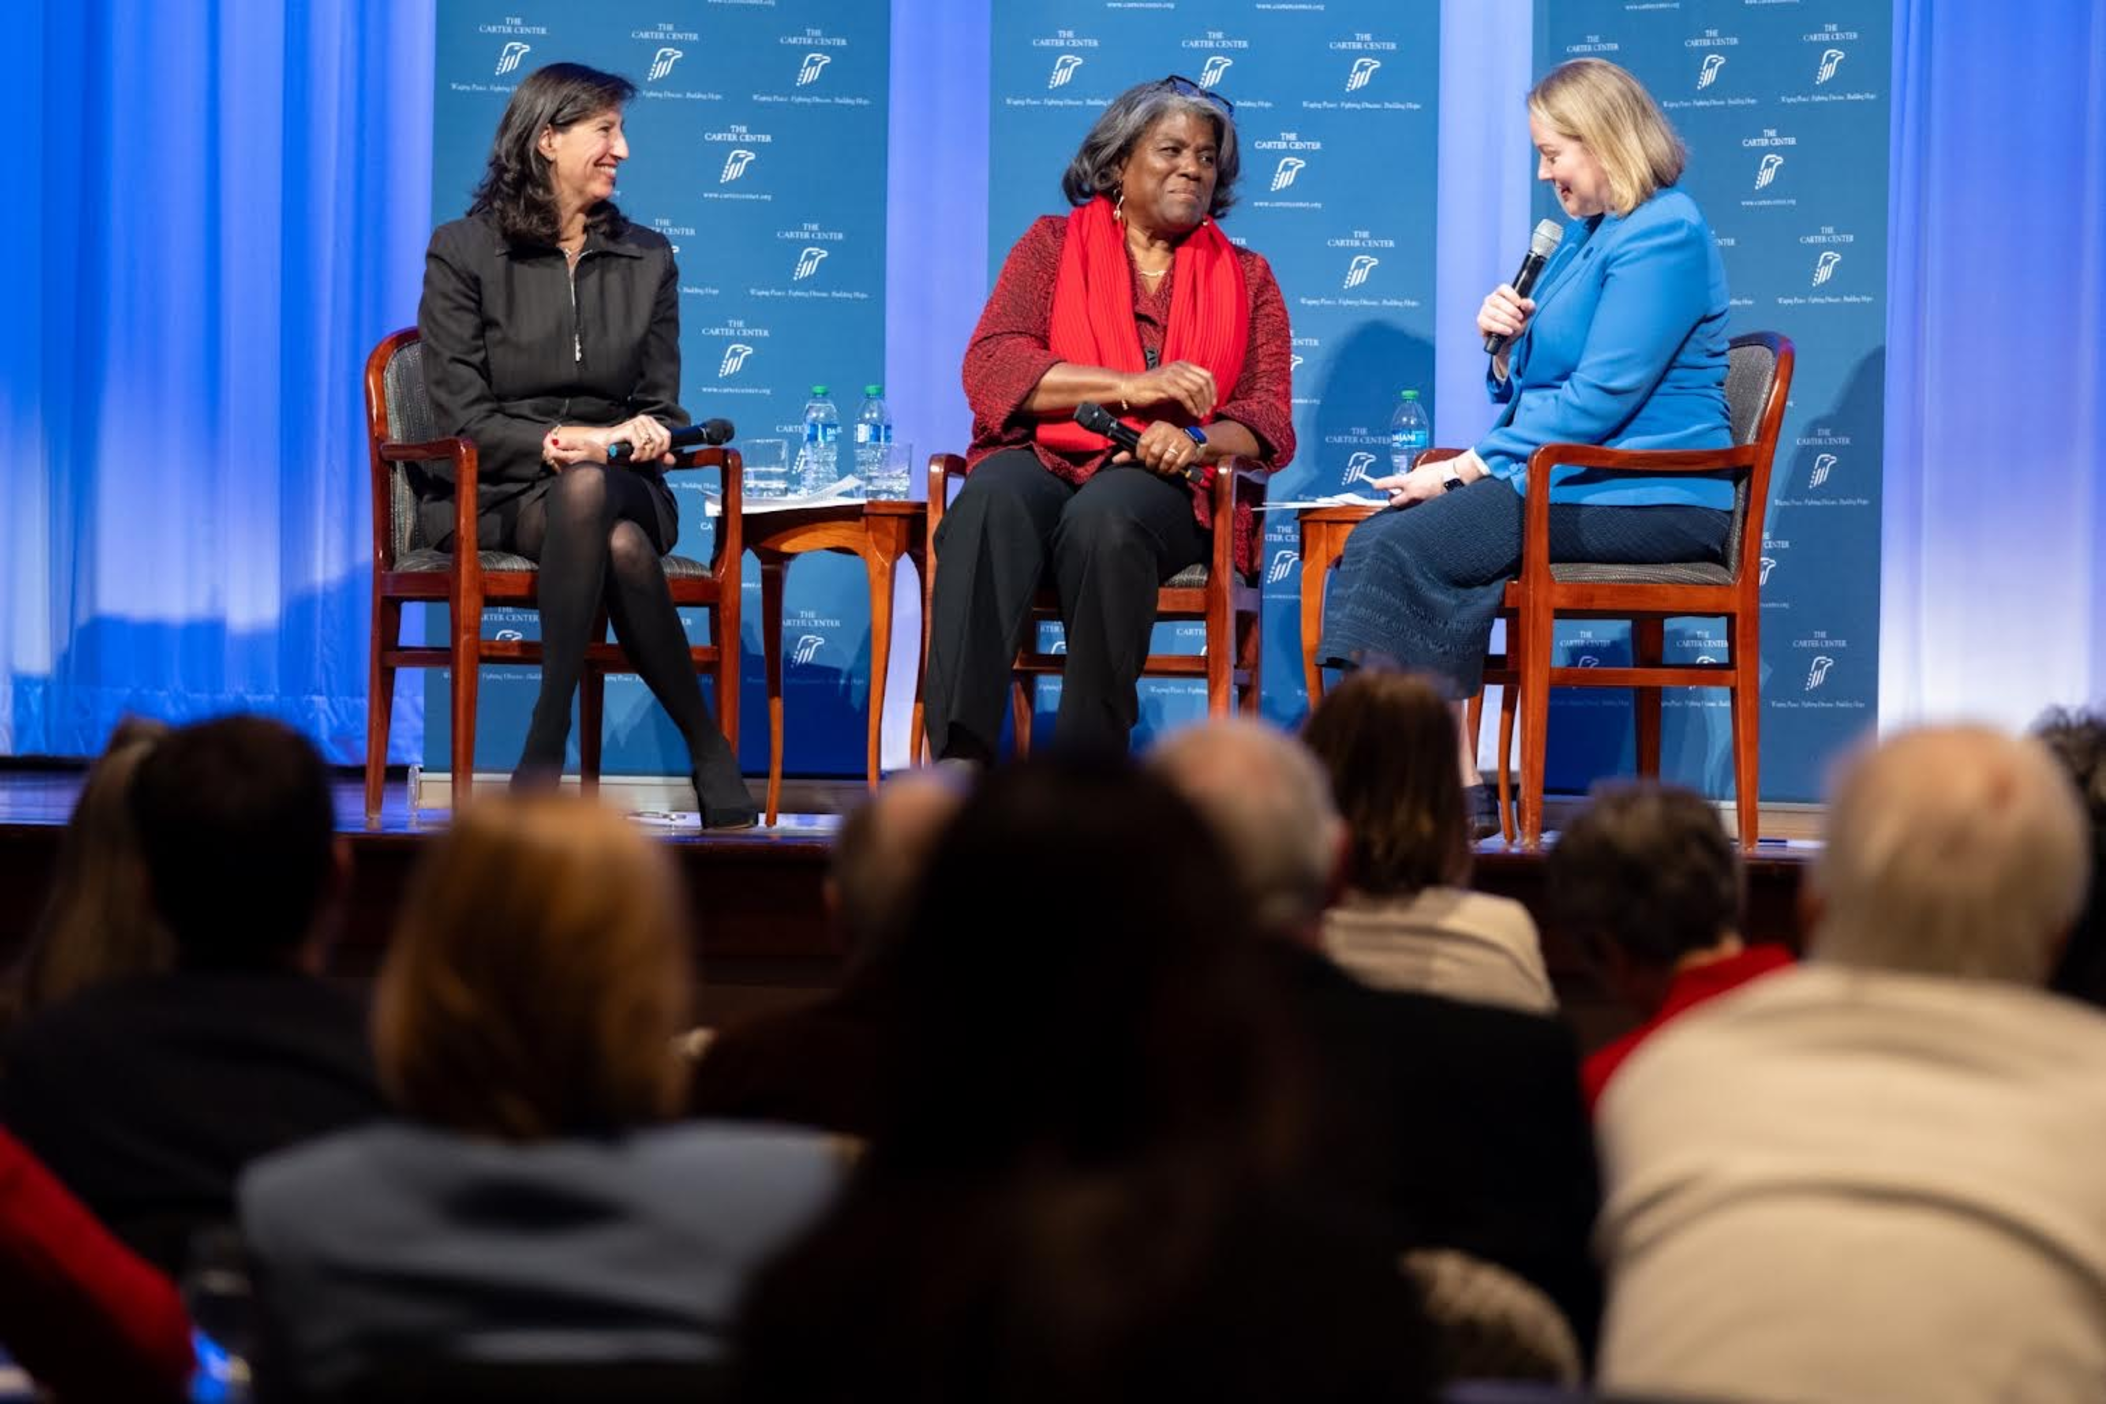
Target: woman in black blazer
<point>551,329</point>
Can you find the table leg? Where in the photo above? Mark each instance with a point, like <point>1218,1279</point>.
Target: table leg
<point>880,568</point>
<point>773,566</point>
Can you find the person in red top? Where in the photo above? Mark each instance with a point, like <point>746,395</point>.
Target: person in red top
<point>1650,885</point>
<point>1137,302</point>
<point>84,1316</point>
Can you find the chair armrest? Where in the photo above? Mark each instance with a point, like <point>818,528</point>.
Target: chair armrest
<point>461,454</point>
<point>943,467</point>
<point>730,543</point>
<point>1640,460</point>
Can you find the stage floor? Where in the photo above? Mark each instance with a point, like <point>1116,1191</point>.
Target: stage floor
<point>761,937</point>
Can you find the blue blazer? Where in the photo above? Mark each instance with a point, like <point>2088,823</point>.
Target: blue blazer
<point>1627,349</point>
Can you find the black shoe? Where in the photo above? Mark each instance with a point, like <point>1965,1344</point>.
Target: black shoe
<point>721,792</point>
<point>1481,805</point>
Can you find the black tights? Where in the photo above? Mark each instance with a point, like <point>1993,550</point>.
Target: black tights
<point>592,534</point>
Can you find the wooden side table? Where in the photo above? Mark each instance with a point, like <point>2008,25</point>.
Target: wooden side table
<point>879,533</point>
<point>1324,531</point>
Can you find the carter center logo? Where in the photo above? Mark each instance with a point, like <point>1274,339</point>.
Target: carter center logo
<point>1825,268</point>
<point>1289,168</point>
<point>1770,165</point>
<point>1829,62</point>
<point>1362,265</point>
<point>1284,561</point>
<point>1769,563</point>
<point>662,63</point>
<point>1217,64</point>
<point>807,649</point>
<point>808,263</point>
<point>735,165</point>
<point>1357,468</point>
<point>1823,465</point>
<point>734,359</point>
<point>1708,74</point>
<point>813,65</point>
<point>1818,674</point>
<point>1363,69</point>
<point>513,53</point>
<point>1063,71</point>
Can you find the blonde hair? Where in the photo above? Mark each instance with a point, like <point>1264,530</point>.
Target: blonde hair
<point>1954,851</point>
<point>1605,109</point>
<point>538,977</point>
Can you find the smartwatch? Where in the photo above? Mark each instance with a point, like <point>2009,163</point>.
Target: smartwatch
<point>1199,435</point>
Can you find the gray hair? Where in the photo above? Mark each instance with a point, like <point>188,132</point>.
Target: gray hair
<point>1954,851</point>
<point>1270,805</point>
<point>1126,119</point>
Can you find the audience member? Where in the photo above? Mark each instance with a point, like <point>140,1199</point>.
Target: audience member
<point>79,1311</point>
<point>98,923</point>
<point>1460,1122</point>
<point>1647,882</point>
<point>819,1064</point>
<point>1876,1176</point>
<point>1083,1183</point>
<point>147,1095</point>
<point>1408,920</point>
<point>2078,740</point>
<point>528,1204</point>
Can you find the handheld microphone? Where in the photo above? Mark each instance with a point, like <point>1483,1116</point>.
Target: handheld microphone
<point>1541,245</point>
<point>1098,420</point>
<point>708,434</point>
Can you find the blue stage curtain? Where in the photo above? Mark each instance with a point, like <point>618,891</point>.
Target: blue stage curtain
<point>221,206</point>
<point>1994,579</point>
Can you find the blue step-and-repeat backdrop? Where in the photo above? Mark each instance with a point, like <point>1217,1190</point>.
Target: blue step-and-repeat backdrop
<point>1785,111</point>
<point>757,146</point>
<point>1336,107</point>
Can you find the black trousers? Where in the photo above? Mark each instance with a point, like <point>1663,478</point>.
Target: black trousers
<point>1107,546</point>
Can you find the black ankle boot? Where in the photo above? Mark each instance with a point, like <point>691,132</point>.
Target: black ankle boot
<point>721,791</point>
<point>1481,805</point>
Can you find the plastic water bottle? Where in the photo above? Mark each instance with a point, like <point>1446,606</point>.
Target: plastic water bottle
<point>1410,432</point>
<point>818,464</point>
<point>873,440</point>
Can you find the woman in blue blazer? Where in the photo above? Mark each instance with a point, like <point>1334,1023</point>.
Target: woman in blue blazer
<point>1624,344</point>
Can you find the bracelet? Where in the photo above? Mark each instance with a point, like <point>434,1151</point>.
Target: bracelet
<point>1199,435</point>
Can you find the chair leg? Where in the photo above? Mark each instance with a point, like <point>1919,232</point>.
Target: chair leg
<point>1023,703</point>
<point>1534,672</point>
<point>467,677</point>
<point>1745,703</point>
<point>1250,653</point>
<point>592,712</point>
<point>1509,700</point>
<point>772,569</point>
<point>1648,645</point>
<point>380,699</point>
<point>1316,566</point>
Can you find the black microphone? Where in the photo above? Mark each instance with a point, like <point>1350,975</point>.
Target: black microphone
<point>708,434</point>
<point>1541,246</point>
<point>1098,420</point>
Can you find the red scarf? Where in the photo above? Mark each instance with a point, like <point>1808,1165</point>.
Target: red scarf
<point>1093,313</point>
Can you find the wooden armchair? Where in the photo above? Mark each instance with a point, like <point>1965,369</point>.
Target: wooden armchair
<point>1212,592</point>
<point>1758,384</point>
<point>401,438</point>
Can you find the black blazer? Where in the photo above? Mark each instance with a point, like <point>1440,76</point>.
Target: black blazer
<point>512,349</point>
<point>1461,1123</point>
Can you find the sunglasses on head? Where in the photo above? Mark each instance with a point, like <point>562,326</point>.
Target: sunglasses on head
<point>1178,83</point>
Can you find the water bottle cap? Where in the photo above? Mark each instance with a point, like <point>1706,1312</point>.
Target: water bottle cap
<point>1410,395</point>
<point>818,392</point>
<point>873,391</point>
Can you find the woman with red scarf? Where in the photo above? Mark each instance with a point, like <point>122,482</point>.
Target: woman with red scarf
<point>1136,301</point>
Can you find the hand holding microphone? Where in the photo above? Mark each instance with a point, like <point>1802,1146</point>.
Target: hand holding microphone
<point>708,434</point>
<point>1166,454</point>
<point>1506,311</point>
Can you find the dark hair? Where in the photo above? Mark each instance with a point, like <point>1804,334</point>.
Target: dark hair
<point>1094,170</point>
<point>1081,984</point>
<point>2078,741</point>
<point>516,190</point>
<point>98,923</point>
<point>1388,742</point>
<point>1649,867</point>
<point>238,832</point>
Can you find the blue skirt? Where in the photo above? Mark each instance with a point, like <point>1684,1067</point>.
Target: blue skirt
<point>1418,587</point>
